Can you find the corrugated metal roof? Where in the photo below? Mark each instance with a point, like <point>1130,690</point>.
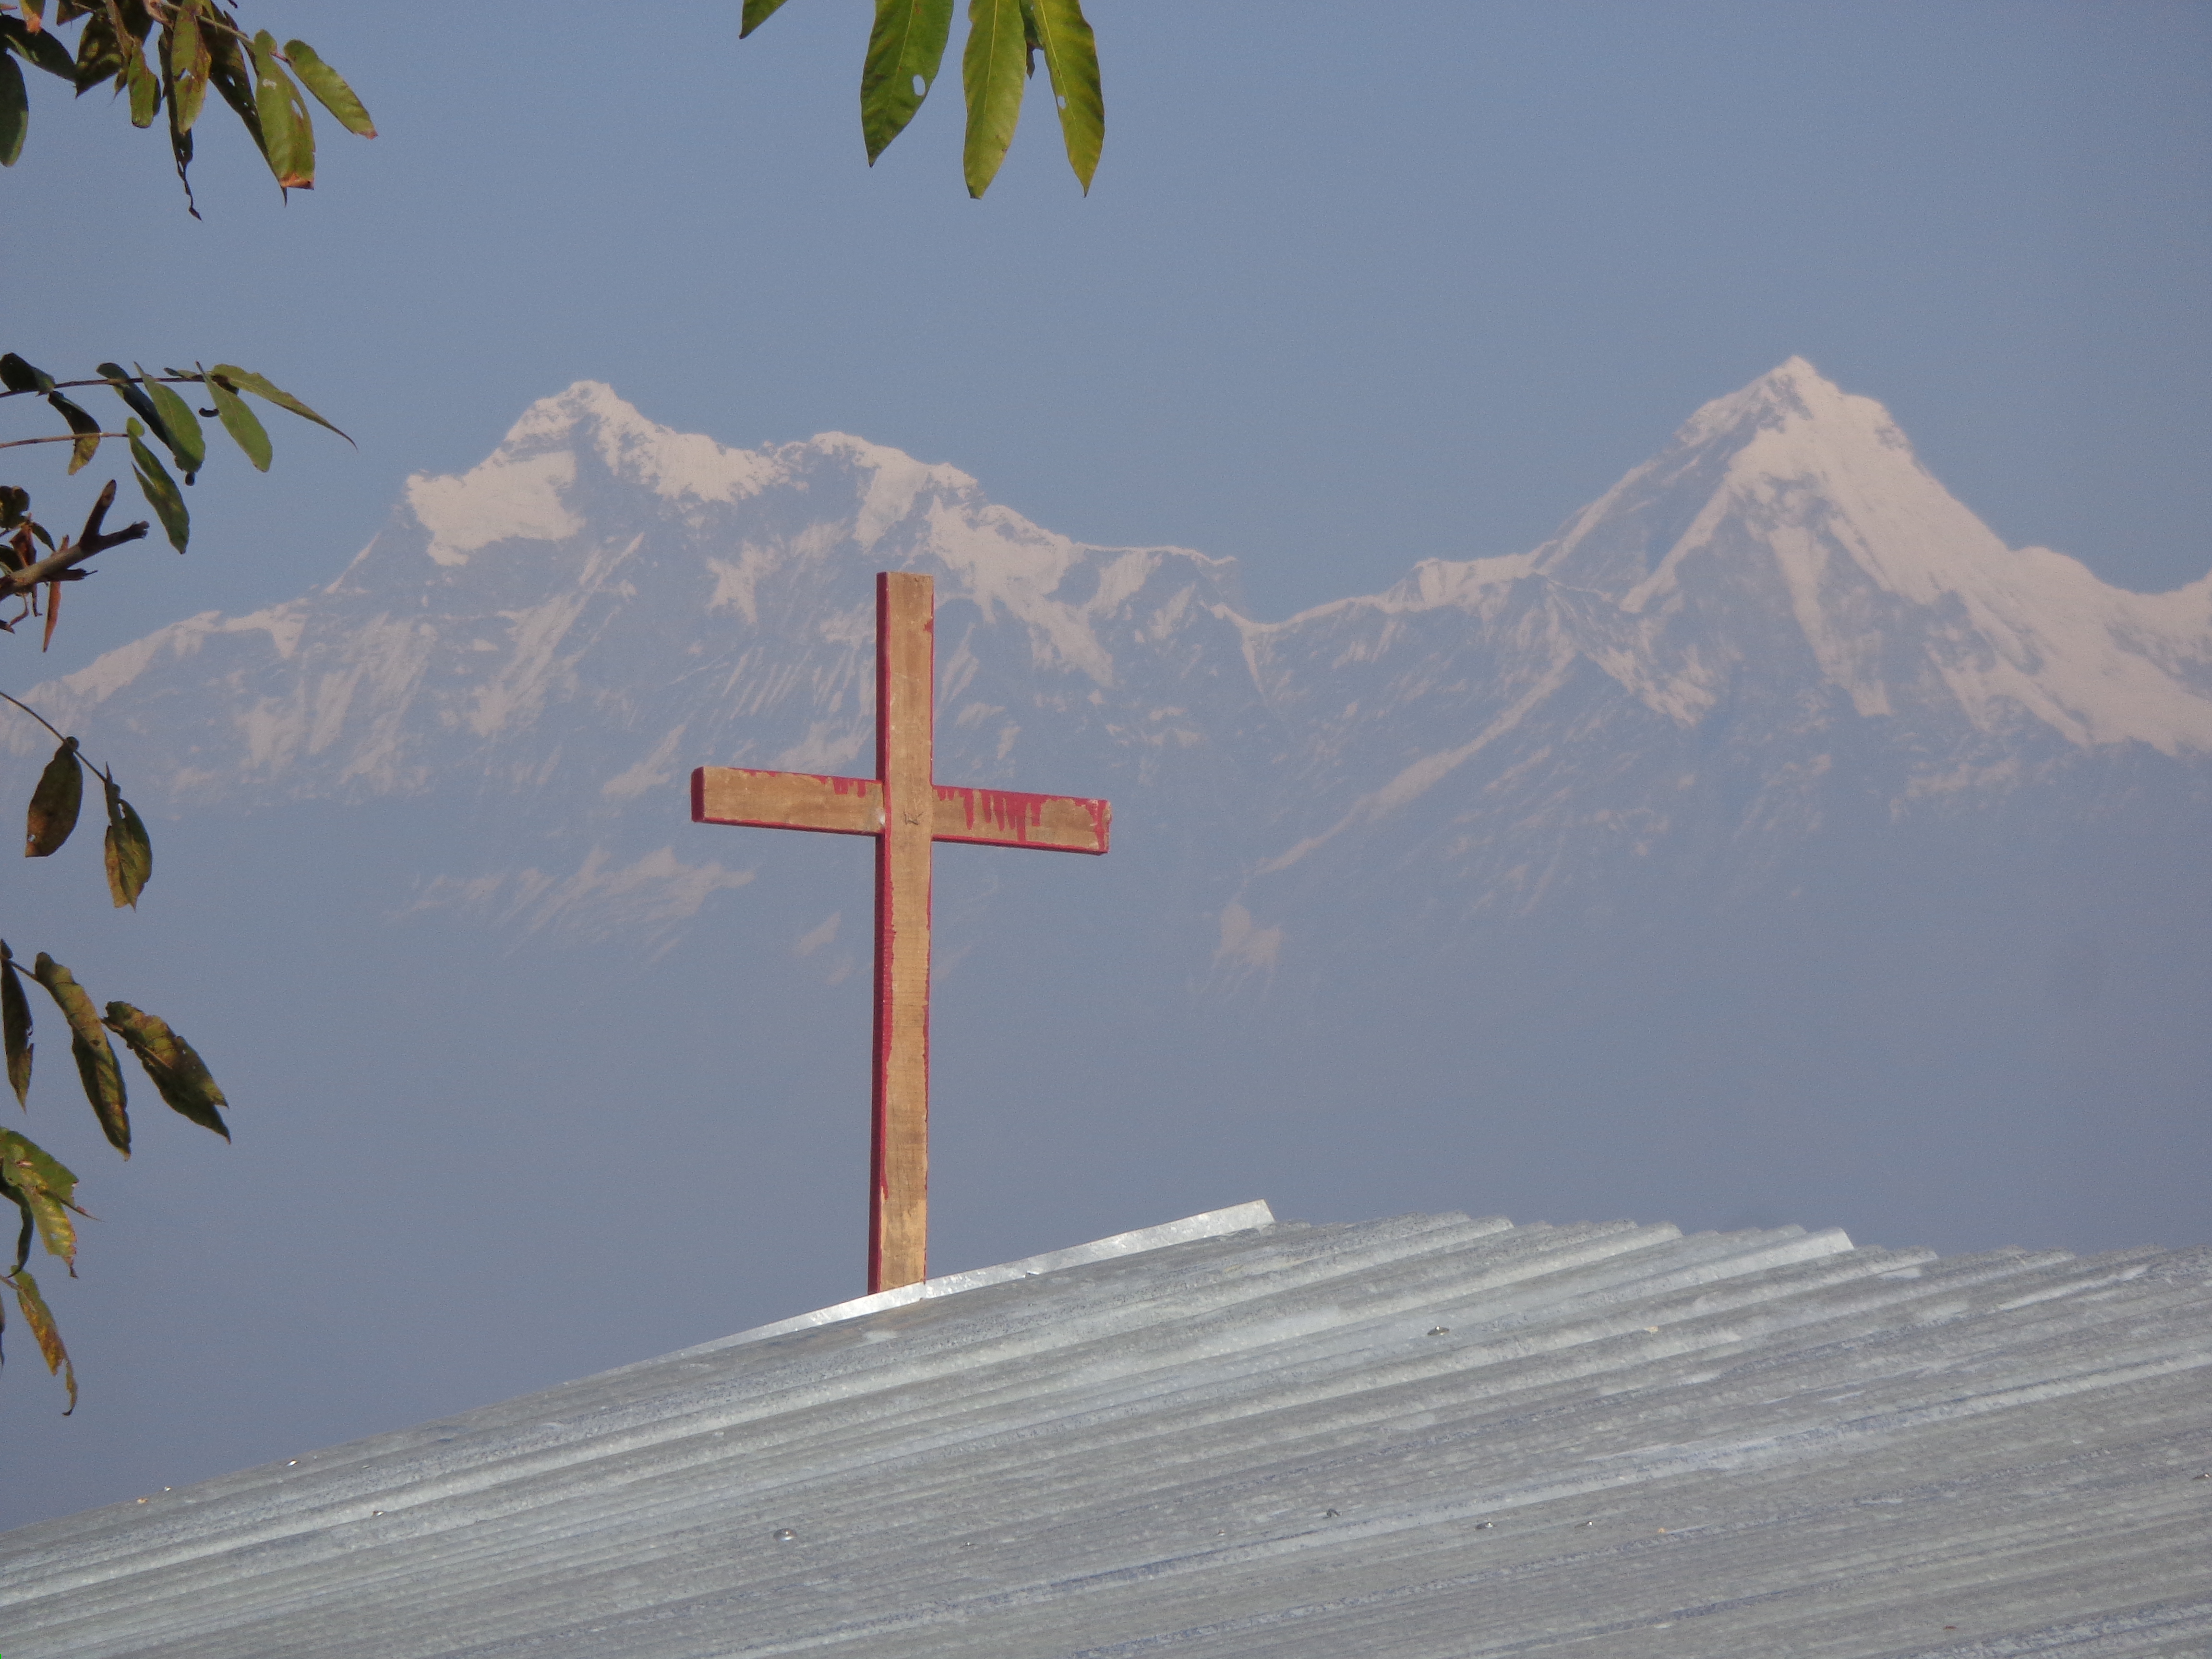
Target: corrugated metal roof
<point>1429,1436</point>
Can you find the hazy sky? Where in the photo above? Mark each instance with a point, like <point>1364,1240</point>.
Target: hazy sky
<point>1356,285</point>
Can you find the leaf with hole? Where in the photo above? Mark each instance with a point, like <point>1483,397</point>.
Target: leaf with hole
<point>179,1075</point>
<point>54,803</point>
<point>90,1047</point>
<point>228,74</point>
<point>188,67</point>
<point>905,52</point>
<point>1070,61</point>
<point>287,131</point>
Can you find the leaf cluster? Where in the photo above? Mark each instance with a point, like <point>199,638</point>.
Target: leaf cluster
<point>166,55</point>
<point>42,1189</point>
<point>1006,38</point>
<point>158,410</point>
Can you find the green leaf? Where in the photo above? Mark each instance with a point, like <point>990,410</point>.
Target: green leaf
<point>86,430</point>
<point>130,852</point>
<point>19,376</point>
<point>227,73</point>
<point>162,494</point>
<point>179,427</point>
<point>90,1047</point>
<point>39,48</point>
<point>25,1232</point>
<point>1070,59</point>
<point>177,1071</point>
<point>99,53</point>
<point>287,131</point>
<point>145,92</point>
<point>904,54</point>
<point>134,397</point>
<point>16,1023</point>
<point>188,60</point>
<point>756,13</point>
<point>41,1321</point>
<point>15,111</point>
<point>329,89</point>
<point>261,386</point>
<point>991,74</point>
<point>241,423</point>
<point>54,803</point>
<point>44,1189</point>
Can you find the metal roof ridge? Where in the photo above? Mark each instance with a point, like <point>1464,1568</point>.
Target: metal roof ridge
<point>1213,1224</point>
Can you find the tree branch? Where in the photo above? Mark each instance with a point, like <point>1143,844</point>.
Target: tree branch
<point>94,542</point>
<point>67,438</point>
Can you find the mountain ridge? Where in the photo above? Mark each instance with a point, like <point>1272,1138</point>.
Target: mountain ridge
<point>1779,613</point>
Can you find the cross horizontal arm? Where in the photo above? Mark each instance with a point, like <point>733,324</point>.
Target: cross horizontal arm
<point>1007,818</point>
<point>854,806</point>
<point>787,800</point>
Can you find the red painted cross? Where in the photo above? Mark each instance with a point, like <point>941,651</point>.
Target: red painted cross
<point>907,811</point>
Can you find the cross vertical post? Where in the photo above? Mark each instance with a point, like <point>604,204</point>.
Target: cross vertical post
<point>898,1189</point>
<point>907,811</point>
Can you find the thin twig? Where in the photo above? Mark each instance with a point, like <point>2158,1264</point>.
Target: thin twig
<point>35,714</point>
<point>173,378</point>
<point>17,443</point>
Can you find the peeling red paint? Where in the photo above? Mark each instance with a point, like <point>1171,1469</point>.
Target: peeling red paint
<point>863,806</point>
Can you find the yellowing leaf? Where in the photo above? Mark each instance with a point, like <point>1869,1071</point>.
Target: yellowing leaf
<point>54,803</point>
<point>86,430</point>
<point>177,1071</point>
<point>128,852</point>
<point>44,1189</point>
<point>41,1321</point>
<point>90,1049</point>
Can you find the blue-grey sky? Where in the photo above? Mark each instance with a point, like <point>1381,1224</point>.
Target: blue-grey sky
<point>1356,285</point>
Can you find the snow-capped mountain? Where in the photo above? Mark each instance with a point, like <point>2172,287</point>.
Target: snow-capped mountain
<point>1772,819</point>
<point>1780,619</point>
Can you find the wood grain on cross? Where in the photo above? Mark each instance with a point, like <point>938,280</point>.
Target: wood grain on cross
<point>907,811</point>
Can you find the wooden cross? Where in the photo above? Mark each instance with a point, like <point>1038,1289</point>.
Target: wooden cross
<point>906,810</point>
